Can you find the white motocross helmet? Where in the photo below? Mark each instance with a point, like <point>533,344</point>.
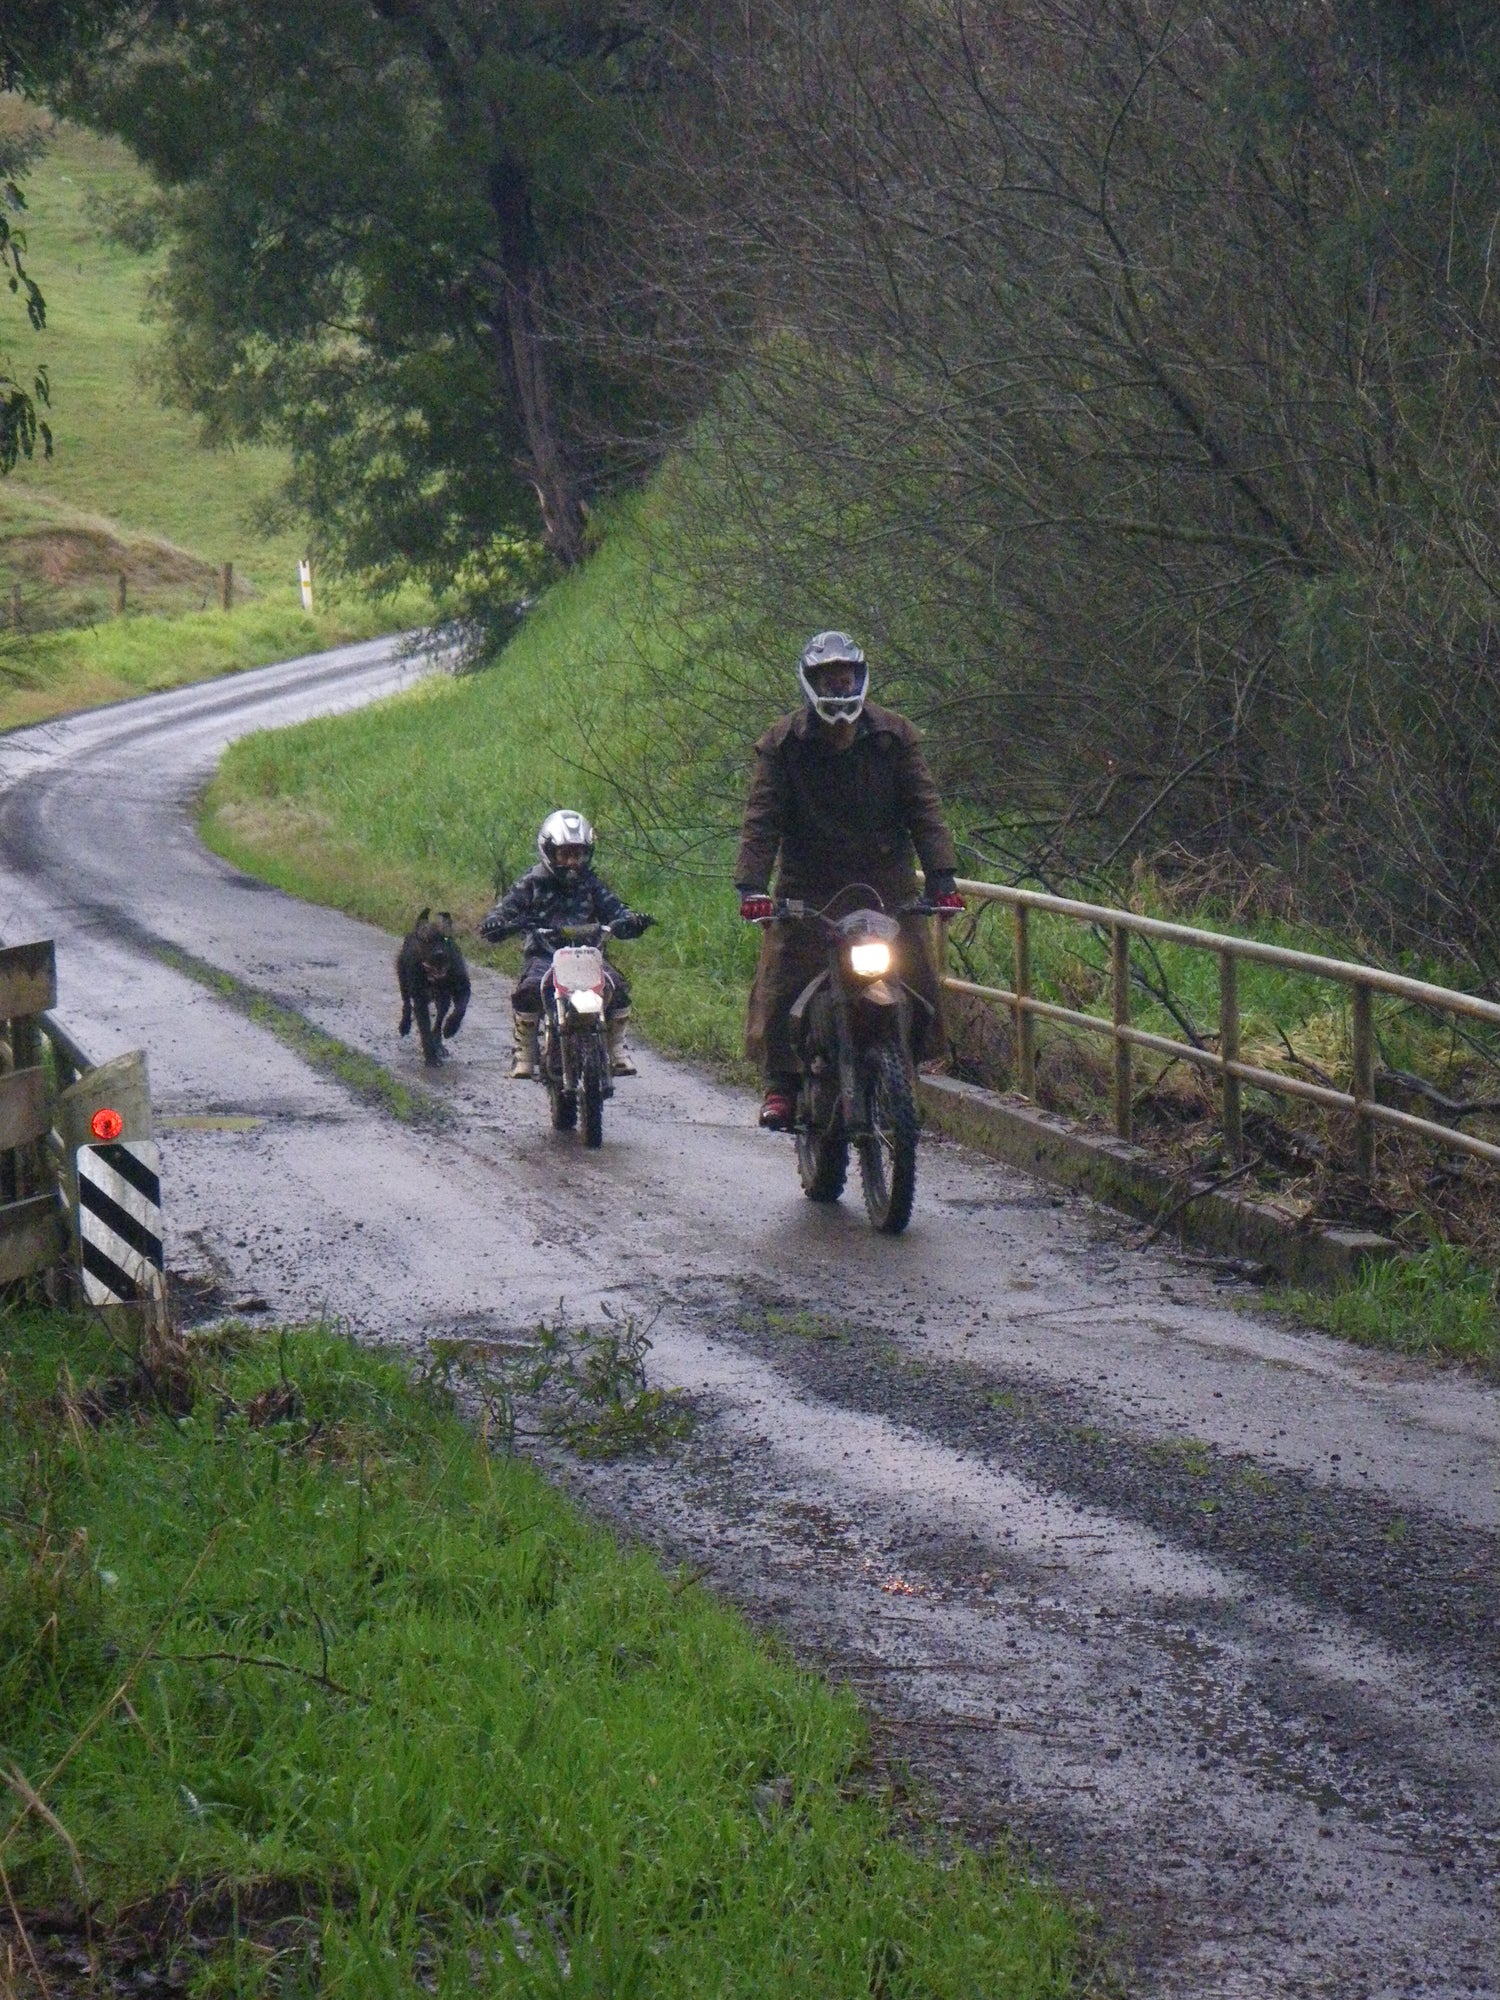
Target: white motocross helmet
<point>564,828</point>
<point>825,650</point>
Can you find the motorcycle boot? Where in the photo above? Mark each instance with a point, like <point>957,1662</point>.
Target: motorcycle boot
<point>778,1108</point>
<point>619,1056</point>
<point>524,1057</point>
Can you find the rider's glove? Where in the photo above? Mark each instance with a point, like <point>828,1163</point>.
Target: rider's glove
<point>493,930</point>
<point>757,909</point>
<point>632,924</point>
<point>942,891</point>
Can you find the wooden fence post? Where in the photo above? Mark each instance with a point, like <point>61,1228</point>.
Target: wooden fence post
<point>226,587</point>
<point>1364,1081</point>
<point>1120,957</point>
<point>30,1239</point>
<point>1025,1019</point>
<point>1229,1052</point>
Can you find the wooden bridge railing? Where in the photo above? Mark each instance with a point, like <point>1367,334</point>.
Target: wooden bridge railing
<point>1363,981</point>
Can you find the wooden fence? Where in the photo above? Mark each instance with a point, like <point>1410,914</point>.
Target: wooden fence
<point>1119,926</point>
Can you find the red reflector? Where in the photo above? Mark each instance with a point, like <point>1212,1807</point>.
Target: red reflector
<point>106,1125</point>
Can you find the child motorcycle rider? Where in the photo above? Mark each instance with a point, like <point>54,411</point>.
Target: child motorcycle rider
<point>562,889</point>
<point>840,795</point>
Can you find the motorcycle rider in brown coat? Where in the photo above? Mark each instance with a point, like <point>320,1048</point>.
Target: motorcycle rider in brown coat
<point>840,796</point>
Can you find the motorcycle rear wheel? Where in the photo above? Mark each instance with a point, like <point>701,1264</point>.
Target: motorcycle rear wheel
<point>592,1094</point>
<point>822,1165</point>
<point>888,1158</point>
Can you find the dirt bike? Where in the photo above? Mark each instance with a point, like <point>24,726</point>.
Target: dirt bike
<point>851,1030</point>
<point>573,1043</point>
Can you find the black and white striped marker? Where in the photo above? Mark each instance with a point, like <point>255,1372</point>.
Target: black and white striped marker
<point>119,1221</point>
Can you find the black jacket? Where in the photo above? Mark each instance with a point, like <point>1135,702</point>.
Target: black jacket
<point>824,818</point>
<point>542,901</point>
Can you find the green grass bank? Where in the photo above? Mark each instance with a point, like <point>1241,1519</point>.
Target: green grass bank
<point>303,1687</point>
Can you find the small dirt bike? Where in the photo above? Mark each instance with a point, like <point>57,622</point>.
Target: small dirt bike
<point>851,1028</point>
<point>573,1044</point>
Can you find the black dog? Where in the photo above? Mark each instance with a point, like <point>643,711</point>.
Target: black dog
<point>432,974</point>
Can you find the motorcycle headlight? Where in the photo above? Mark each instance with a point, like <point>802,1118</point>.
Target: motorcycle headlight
<point>870,959</point>
<point>586,1003</point>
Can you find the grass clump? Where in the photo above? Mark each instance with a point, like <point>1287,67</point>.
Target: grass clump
<point>1439,1303</point>
<point>316,1693</point>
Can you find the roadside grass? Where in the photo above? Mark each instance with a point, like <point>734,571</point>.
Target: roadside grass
<point>1439,1303</point>
<point>312,1691</point>
<point>130,489</point>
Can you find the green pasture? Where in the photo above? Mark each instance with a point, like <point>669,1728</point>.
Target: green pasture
<point>376,1712</point>
<point>131,491</point>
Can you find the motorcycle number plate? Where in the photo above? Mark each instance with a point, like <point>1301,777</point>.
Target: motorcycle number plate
<point>578,968</point>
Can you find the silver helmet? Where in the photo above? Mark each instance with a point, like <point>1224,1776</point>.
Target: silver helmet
<point>565,828</point>
<point>826,650</point>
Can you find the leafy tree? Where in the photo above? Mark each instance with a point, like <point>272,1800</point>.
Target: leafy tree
<point>391,221</point>
<point>22,427</point>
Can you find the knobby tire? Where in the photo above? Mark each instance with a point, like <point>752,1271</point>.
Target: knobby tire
<point>593,1100</point>
<point>888,1158</point>
<point>564,1109</point>
<point>822,1165</point>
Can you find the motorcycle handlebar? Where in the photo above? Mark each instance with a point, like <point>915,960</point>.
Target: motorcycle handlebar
<point>795,911</point>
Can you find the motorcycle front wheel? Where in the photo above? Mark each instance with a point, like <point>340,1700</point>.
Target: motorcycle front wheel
<point>563,1106</point>
<point>888,1157</point>
<point>822,1164</point>
<point>592,1093</point>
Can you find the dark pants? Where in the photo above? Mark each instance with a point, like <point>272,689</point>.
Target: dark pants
<point>791,954</point>
<point>526,994</point>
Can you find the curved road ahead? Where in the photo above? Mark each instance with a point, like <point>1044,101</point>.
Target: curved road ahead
<point>1201,1609</point>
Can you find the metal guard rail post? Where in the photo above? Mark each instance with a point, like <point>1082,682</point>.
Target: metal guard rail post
<point>1365,981</point>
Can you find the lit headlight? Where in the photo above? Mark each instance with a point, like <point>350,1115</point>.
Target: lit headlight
<point>586,1003</point>
<point>870,960</point>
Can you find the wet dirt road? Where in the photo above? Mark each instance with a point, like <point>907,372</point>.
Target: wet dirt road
<point>1200,1609</point>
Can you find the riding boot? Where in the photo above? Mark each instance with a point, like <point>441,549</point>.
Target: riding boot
<point>523,1061</point>
<point>619,1056</point>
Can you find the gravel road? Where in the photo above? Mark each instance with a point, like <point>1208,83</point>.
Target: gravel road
<point>1200,1610</point>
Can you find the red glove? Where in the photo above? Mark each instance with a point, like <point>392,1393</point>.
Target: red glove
<point>757,909</point>
<point>950,903</point>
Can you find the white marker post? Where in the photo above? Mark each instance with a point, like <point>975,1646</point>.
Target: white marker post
<point>304,573</point>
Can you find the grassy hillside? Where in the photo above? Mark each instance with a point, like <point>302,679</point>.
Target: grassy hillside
<point>129,490</point>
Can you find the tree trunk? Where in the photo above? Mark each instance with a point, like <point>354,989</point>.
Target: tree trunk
<point>523,362</point>
<point>519,322</point>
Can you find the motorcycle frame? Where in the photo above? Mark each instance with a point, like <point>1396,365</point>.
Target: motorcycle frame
<point>888,998</point>
<point>564,1035</point>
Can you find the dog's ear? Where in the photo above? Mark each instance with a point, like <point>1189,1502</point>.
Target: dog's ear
<point>446,917</point>
<point>422,916</point>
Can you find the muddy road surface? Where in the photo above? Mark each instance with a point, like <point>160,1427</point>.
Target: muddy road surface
<point>1199,1610</point>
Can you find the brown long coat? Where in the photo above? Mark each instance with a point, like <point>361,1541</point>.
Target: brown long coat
<point>824,819</point>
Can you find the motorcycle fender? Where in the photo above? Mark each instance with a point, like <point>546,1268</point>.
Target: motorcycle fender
<point>880,993</point>
<point>849,1091</point>
<point>805,998</point>
<point>920,1000</point>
